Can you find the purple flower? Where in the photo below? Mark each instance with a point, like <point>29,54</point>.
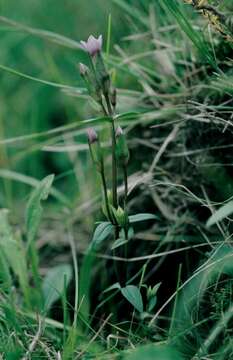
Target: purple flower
<point>92,45</point>
<point>92,135</point>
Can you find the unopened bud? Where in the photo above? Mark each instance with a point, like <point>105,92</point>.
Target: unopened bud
<point>83,69</point>
<point>121,217</point>
<point>122,151</point>
<point>95,149</point>
<point>92,135</point>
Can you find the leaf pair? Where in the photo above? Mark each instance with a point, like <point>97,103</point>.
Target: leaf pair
<point>104,229</point>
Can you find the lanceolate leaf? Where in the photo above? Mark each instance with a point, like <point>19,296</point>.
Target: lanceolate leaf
<point>118,243</point>
<point>128,116</point>
<point>53,284</point>
<point>141,217</point>
<point>13,251</point>
<point>113,287</point>
<point>102,231</point>
<point>34,209</point>
<point>154,352</point>
<point>220,214</point>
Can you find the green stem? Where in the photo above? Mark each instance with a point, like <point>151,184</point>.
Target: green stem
<point>126,185</point>
<point>114,167</point>
<point>105,193</point>
<point>35,271</point>
<point>175,303</point>
<point>114,162</point>
<point>76,276</point>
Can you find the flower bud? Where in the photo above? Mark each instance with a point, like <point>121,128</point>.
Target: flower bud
<point>92,135</point>
<point>122,151</point>
<point>95,148</point>
<point>121,217</point>
<point>83,69</point>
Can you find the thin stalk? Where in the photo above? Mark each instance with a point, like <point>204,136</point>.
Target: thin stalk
<point>76,276</point>
<point>176,299</point>
<point>35,270</point>
<point>103,107</point>
<point>64,303</point>
<point>105,192</point>
<point>126,185</point>
<point>114,167</point>
<point>114,162</point>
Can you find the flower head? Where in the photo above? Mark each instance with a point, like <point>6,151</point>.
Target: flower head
<point>92,135</point>
<point>92,45</point>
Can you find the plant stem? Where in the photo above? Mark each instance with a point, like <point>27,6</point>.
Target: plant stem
<point>35,272</point>
<point>126,185</point>
<point>114,162</point>
<point>105,193</point>
<point>114,167</point>
<point>76,276</point>
<point>175,303</point>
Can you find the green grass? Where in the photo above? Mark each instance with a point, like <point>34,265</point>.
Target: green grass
<point>167,293</point>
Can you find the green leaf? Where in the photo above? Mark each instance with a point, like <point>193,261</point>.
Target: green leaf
<point>152,303</point>
<point>102,231</point>
<point>141,217</point>
<point>195,36</point>
<point>131,115</point>
<point>189,298</point>
<point>118,243</point>
<point>99,120</point>
<point>34,209</point>
<point>12,249</point>
<point>154,352</point>
<point>113,287</point>
<point>53,284</point>
<point>134,297</point>
<point>5,274</point>
<point>44,34</point>
<point>132,10</point>
<point>220,214</point>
